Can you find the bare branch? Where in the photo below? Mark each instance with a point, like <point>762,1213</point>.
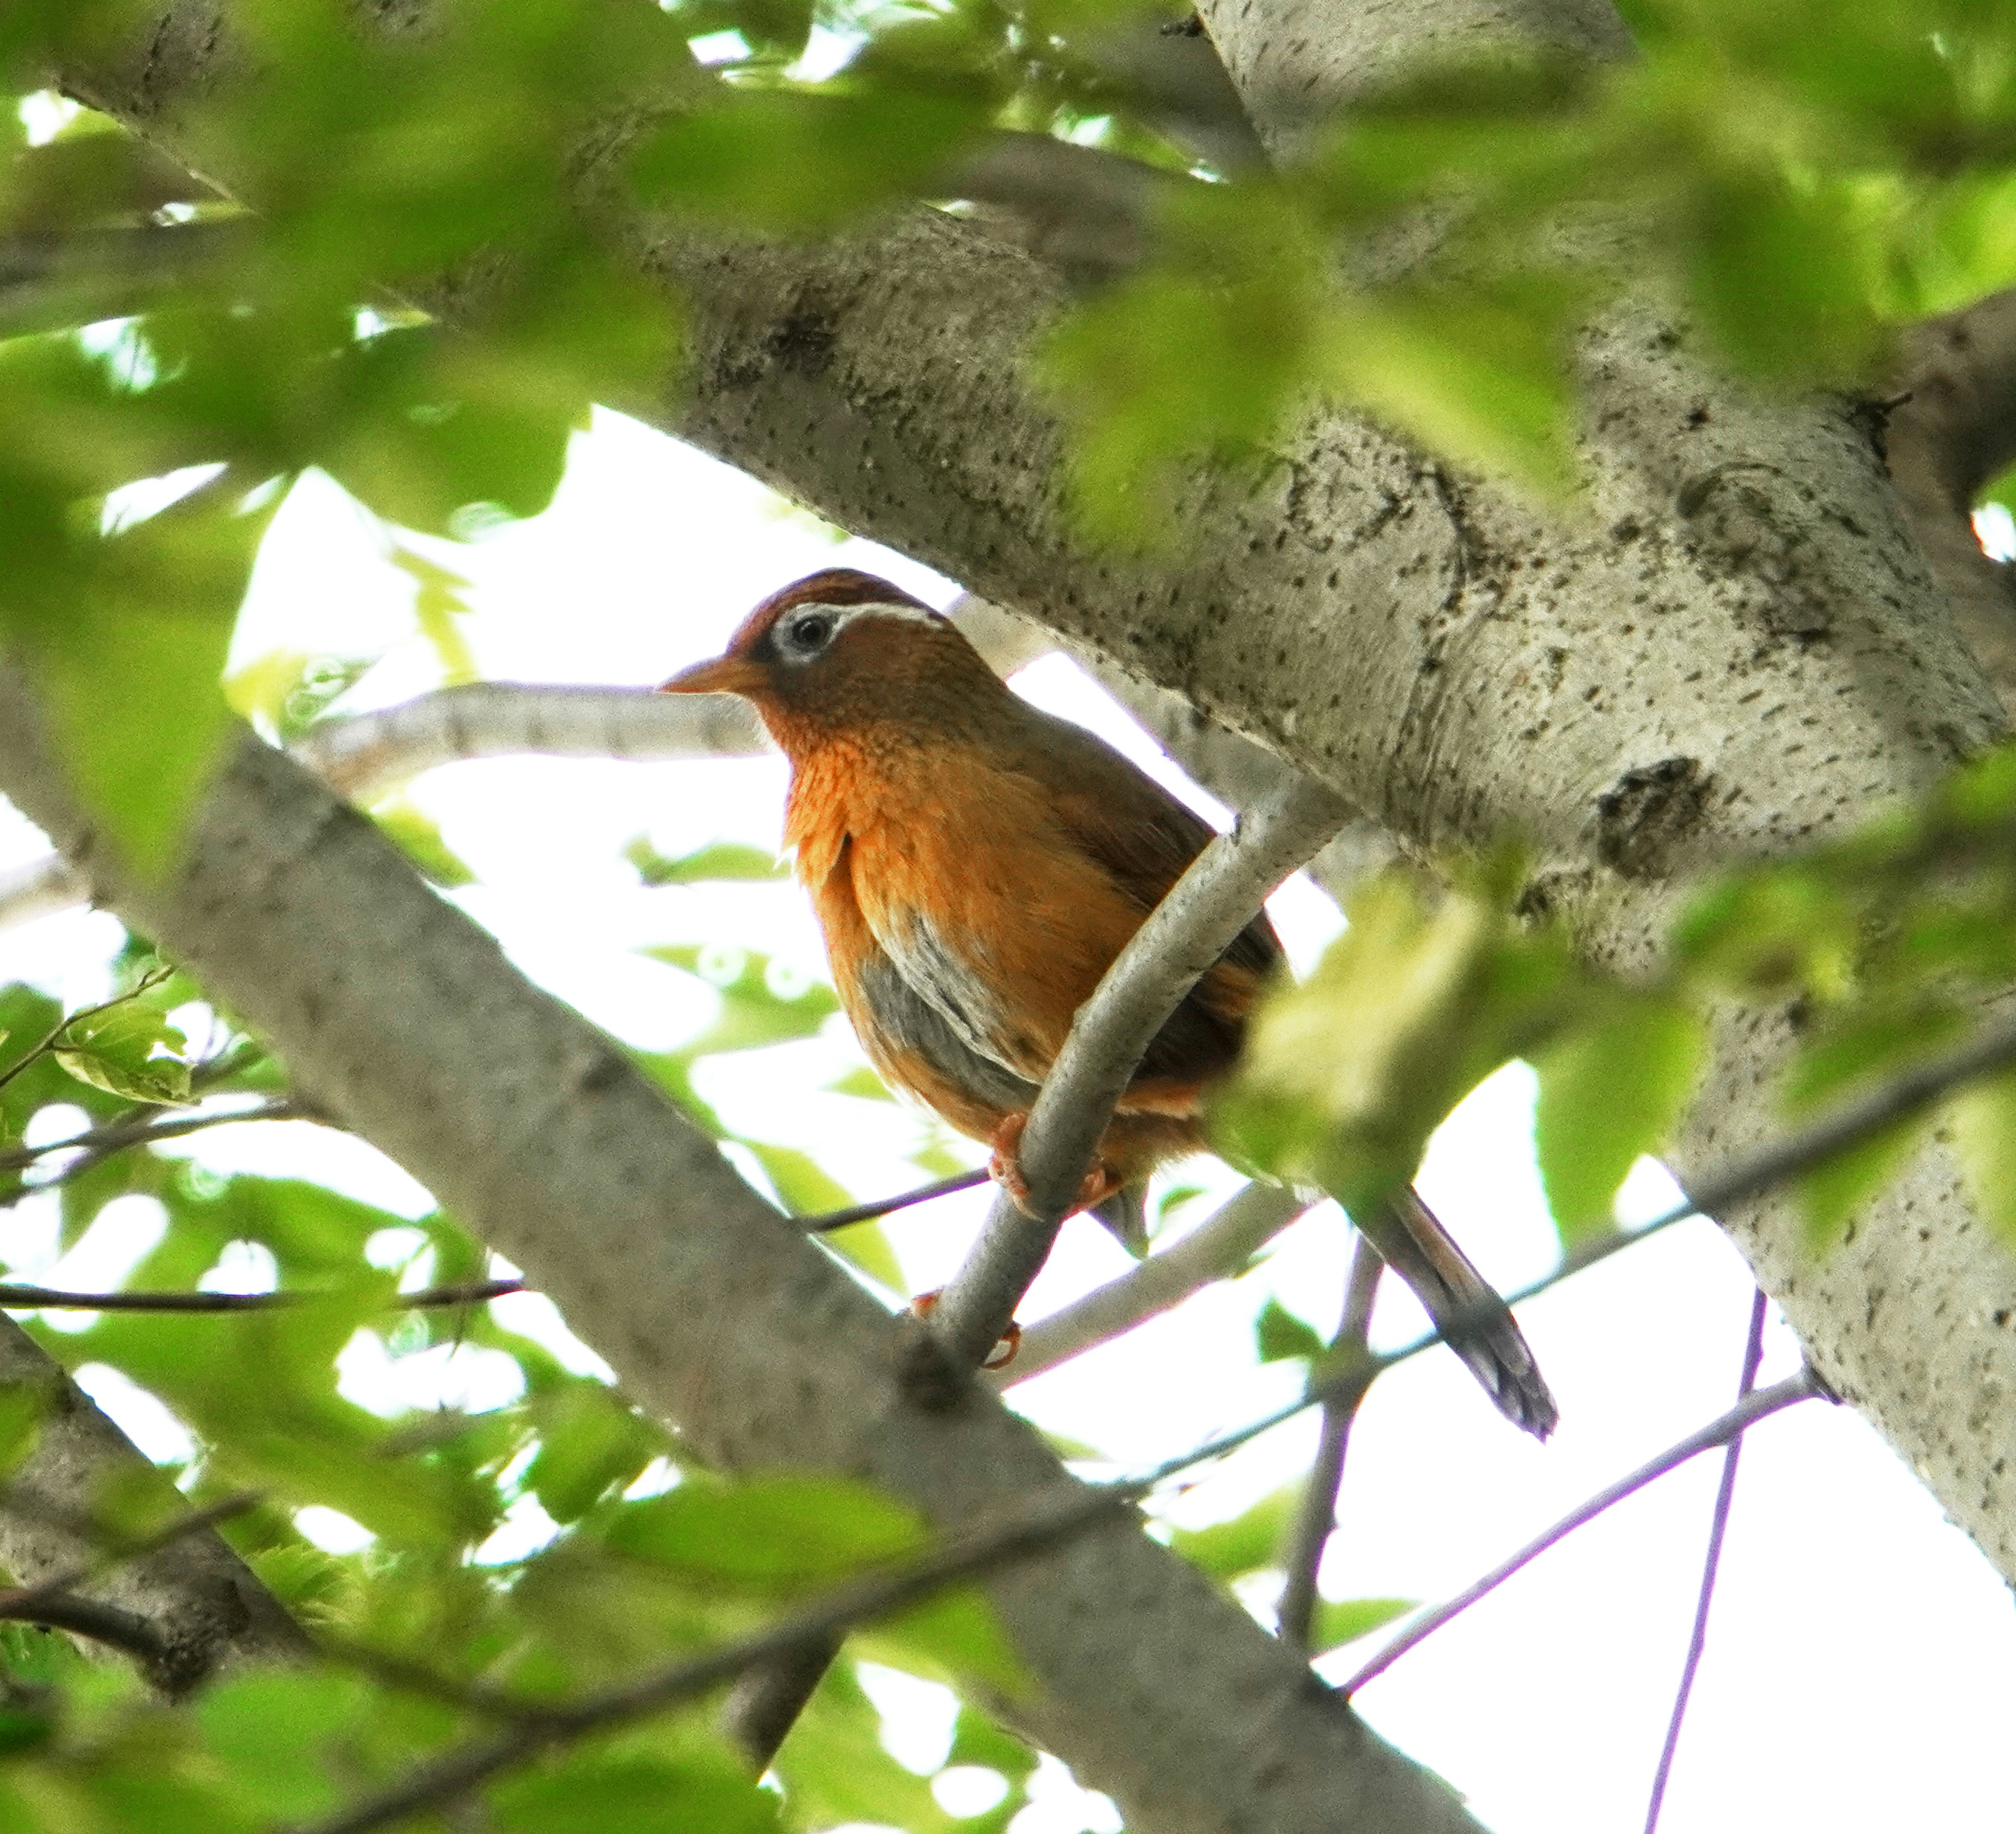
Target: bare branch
<point>1725,1496</point>
<point>827,1220</point>
<point>16,1297</point>
<point>1732,1426</point>
<point>1185,934</point>
<point>25,1604</point>
<point>1310,1533</point>
<point>100,1143</point>
<point>1218,1249</point>
<point>364,757</point>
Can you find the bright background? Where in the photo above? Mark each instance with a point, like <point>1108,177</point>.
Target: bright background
<point>1861,1672</point>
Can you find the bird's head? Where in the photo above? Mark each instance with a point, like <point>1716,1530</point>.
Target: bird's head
<point>841,650</point>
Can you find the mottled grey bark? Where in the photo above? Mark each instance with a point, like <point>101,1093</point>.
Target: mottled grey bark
<point>194,1606</point>
<point>1950,429</point>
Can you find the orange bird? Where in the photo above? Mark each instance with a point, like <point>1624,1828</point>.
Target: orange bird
<point>976,864</point>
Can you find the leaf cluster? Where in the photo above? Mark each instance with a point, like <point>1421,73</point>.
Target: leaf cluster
<point>1881,951</point>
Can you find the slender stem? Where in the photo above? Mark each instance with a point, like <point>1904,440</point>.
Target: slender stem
<point>153,979</point>
<point>1199,918</point>
<point>114,1136</point>
<point>1739,1419</point>
<point>867,1212</point>
<point>1725,1495</point>
<point>16,1298</point>
<point>1311,1531</point>
<point>1217,1248</point>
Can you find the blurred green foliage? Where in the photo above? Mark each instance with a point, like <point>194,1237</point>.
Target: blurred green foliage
<point>1879,950</point>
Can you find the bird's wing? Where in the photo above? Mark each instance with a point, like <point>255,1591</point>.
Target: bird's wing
<point>1143,839</point>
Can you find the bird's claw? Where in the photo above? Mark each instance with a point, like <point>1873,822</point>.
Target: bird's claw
<point>1005,1168</point>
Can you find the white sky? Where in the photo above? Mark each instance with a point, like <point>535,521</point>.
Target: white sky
<point>1845,1595</point>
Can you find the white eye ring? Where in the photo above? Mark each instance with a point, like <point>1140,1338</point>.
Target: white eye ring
<point>805,633</point>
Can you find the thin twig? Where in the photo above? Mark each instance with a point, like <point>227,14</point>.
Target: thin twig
<point>99,1143</point>
<point>1755,1406</point>
<point>1771,1165</point>
<point>828,1220</point>
<point>1310,1532</point>
<point>540,1725</point>
<point>1217,1248</point>
<point>16,1298</point>
<point>1725,1495</point>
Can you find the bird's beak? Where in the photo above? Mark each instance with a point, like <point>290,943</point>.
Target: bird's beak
<point>718,675</point>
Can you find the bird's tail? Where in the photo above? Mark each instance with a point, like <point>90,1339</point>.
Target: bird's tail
<point>1463,1303</point>
<point>1126,1213</point>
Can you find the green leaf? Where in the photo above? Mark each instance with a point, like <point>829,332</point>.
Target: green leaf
<point>862,1083</point>
<point>786,1531</point>
<point>1344,1075</point>
<point>1609,1090</point>
<point>129,667</point>
<point>589,1441</point>
<point>805,1189</point>
<point>23,1407</point>
<point>595,1794</point>
<point>1246,1543</point>
<point>1344,1620</point>
<point>955,1635</point>
<point>280,1736</point>
<point>117,1050</point>
<point>1480,375</point>
<point>418,836</point>
<point>719,859</point>
<point>793,160</point>
<point>761,1003</point>
<point>1831,1193</point>
<point>1983,1123</point>
<point>1279,1336</point>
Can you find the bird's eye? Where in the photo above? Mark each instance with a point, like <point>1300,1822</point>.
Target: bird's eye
<point>809,633</point>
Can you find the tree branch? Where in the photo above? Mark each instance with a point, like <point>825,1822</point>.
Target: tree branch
<point>1737,1421</point>
<point>1309,1535</point>
<point>1725,1496</point>
<point>40,888</point>
<point>1218,1249</point>
<point>202,1606</point>
<point>98,1144</point>
<point>540,1726</point>
<point>1952,429</point>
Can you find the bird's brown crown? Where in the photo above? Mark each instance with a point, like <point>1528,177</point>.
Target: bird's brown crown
<point>843,654</point>
<point>841,587</point>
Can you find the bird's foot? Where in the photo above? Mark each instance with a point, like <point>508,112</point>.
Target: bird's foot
<point>1003,1353</point>
<point>1005,1168</point>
